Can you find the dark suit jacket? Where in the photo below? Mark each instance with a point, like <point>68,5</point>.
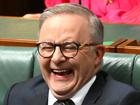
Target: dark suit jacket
<point>132,98</point>
<point>104,91</point>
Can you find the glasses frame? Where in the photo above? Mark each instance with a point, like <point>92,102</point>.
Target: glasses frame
<point>79,47</point>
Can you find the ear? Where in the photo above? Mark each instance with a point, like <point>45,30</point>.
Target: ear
<point>100,50</point>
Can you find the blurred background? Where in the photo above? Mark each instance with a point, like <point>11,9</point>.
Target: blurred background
<point>20,7</point>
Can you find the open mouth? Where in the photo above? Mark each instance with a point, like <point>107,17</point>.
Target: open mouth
<point>62,72</point>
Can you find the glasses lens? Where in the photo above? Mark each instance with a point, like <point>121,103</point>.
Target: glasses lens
<point>46,49</point>
<point>69,49</point>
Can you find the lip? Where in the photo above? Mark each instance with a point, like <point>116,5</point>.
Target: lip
<point>62,75</point>
<point>61,72</point>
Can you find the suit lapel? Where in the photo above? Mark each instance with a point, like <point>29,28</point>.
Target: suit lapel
<point>41,93</point>
<point>95,91</point>
<point>93,95</point>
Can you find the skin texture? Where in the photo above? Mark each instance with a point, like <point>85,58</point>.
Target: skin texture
<point>69,27</point>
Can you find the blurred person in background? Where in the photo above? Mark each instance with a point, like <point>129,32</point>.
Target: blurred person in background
<point>111,11</point>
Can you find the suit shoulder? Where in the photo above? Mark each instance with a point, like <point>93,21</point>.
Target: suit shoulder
<point>115,84</point>
<point>112,91</point>
<point>24,92</point>
<point>30,84</point>
<point>118,85</point>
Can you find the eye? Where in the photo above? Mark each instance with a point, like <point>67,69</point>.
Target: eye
<point>46,47</point>
<point>69,47</point>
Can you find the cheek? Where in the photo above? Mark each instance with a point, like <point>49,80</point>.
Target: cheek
<point>86,63</point>
<point>44,66</point>
<point>87,58</point>
<point>43,61</point>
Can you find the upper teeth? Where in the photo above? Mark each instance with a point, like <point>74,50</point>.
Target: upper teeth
<point>60,71</point>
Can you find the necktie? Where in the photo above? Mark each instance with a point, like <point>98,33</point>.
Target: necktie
<point>64,102</point>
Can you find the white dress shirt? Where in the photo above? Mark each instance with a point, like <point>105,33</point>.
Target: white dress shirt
<point>78,98</point>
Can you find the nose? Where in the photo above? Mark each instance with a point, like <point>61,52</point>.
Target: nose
<point>57,56</point>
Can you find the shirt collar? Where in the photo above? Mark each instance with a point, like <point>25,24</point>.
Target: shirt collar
<point>78,97</point>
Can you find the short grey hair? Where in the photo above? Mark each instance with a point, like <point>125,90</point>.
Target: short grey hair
<point>96,26</point>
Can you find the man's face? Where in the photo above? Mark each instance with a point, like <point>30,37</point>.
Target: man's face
<point>75,72</point>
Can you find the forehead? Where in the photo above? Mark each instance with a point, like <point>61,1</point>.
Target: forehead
<point>64,27</point>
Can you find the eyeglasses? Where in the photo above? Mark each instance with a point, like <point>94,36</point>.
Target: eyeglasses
<point>68,49</point>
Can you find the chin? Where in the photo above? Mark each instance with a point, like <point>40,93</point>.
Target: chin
<point>63,94</point>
